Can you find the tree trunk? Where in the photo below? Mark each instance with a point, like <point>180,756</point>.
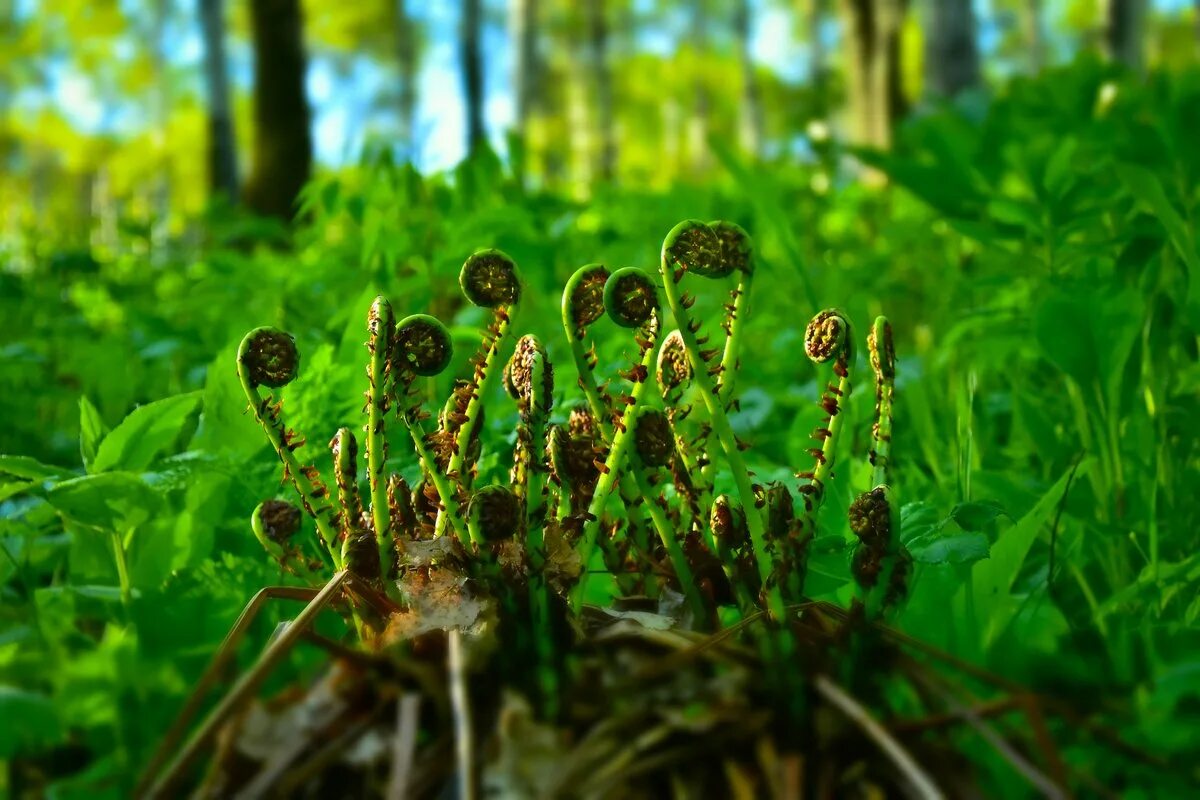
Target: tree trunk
<point>282,135</point>
<point>698,123</point>
<point>1035,35</point>
<point>472,71</point>
<point>222,147</point>
<point>750,125</point>
<point>951,55</point>
<point>873,79</point>
<point>406,96</point>
<point>1125,28</point>
<point>528,77</point>
<point>604,112</point>
<point>818,67</point>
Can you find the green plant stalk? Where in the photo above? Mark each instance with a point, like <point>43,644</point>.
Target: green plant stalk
<point>683,570</point>
<point>882,434</point>
<point>118,543</point>
<point>319,507</point>
<point>728,440</point>
<point>727,377</point>
<point>380,324</point>
<point>587,379</point>
<point>450,506</point>
<point>622,440</point>
<point>824,469</point>
<point>485,378</point>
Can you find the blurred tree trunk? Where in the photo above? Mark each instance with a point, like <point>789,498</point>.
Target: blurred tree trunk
<point>406,61</point>
<point>604,113</point>
<point>282,136</point>
<point>471,62</point>
<point>815,12</point>
<point>1125,30</point>
<point>1035,34</point>
<point>951,55</point>
<point>873,71</point>
<point>160,105</point>
<point>697,135</point>
<point>528,77</point>
<point>750,125</point>
<point>222,147</point>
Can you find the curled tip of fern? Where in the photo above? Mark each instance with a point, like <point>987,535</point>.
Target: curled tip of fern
<point>870,516</point>
<point>693,246</point>
<point>630,297</point>
<point>270,357</point>
<point>882,349</point>
<point>527,365</point>
<point>423,345</point>
<point>496,512</point>
<point>489,278</point>
<point>736,248</point>
<point>652,437</point>
<point>674,366</point>
<point>728,521</point>
<point>277,520</point>
<point>829,336</point>
<point>583,296</point>
<point>344,447</point>
<point>381,321</point>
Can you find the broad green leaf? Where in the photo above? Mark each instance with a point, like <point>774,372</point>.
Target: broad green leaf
<point>975,516</point>
<point>145,433</point>
<point>28,468</point>
<point>1149,191</point>
<point>964,547</point>
<point>92,431</point>
<point>992,578</point>
<point>114,501</point>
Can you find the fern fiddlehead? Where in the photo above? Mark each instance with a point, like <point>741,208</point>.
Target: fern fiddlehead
<point>269,357</point>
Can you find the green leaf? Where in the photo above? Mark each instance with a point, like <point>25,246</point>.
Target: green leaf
<point>992,579</point>
<point>954,548</point>
<point>28,468</point>
<point>145,433</point>
<point>91,431</point>
<point>1145,186</point>
<point>114,501</point>
<point>977,515</point>
<point>30,721</point>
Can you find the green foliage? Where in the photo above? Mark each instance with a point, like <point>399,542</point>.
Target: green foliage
<point>1037,260</point>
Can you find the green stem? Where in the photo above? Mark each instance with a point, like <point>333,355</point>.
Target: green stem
<point>380,324</point>
<point>450,510</point>
<point>484,377</point>
<point>118,543</point>
<point>729,445</point>
<point>314,498</point>
<point>683,570</point>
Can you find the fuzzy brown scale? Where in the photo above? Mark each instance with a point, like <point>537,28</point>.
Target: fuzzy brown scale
<point>280,520</point>
<point>271,358</point>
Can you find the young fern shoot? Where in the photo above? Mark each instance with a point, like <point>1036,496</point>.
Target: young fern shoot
<point>269,357</point>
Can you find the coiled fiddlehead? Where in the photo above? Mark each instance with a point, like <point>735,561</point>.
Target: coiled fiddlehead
<point>269,357</point>
<point>828,338</point>
<point>489,279</point>
<point>422,347</point>
<point>693,247</point>
<point>582,305</point>
<point>631,298</point>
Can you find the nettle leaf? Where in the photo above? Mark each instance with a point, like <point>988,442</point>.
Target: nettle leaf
<point>146,433</point>
<point>115,501</point>
<point>933,539</point>
<point>965,547</point>
<point>92,431</point>
<point>975,516</point>
<point>31,721</point>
